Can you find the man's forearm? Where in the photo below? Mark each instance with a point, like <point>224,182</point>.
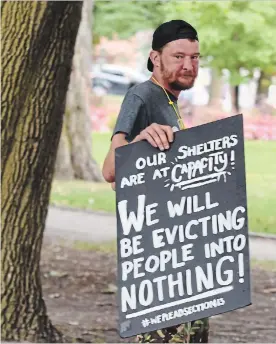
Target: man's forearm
<point>108,170</point>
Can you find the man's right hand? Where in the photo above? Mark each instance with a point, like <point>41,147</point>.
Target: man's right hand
<point>157,135</point>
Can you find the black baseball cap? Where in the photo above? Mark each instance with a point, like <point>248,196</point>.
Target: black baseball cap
<point>171,31</point>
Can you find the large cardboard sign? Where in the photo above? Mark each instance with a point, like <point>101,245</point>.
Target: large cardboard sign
<point>182,228</point>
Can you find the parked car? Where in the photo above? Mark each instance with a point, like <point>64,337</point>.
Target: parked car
<point>115,79</point>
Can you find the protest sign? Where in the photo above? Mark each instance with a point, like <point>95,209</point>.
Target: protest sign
<point>182,228</point>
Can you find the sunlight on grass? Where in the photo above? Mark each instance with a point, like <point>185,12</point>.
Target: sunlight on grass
<point>261,185</point>
<point>107,247</point>
<point>260,157</point>
<point>83,195</point>
<point>269,265</point>
<point>100,146</point>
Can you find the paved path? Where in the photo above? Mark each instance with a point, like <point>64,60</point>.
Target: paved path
<point>71,224</point>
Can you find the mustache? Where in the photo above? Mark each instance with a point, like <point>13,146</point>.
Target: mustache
<point>188,74</point>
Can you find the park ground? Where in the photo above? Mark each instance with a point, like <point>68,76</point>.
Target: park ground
<point>79,276</point>
<point>79,290</point>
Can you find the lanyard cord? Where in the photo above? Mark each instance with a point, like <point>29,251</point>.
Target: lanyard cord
<point>179,119</point>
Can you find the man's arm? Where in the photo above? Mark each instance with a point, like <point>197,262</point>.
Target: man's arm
<point>159,136</point>
<point>108,170</point>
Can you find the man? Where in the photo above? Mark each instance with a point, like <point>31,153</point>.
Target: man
<point>149,112</point>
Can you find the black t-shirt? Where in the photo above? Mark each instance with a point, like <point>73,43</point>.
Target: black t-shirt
<point>143,105</point>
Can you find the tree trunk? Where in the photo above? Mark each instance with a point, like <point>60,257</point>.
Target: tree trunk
<point>74,158</point>
<point>216,90</point>
<point>264,82</point>
<point>38,39</point>
<point>235,98</point>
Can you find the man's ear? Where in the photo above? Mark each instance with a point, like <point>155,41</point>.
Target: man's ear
<point>155,58</point>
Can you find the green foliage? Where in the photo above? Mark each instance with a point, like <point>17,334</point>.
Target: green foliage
<point>124,18</point>
<point>233,34</point>
<point>112,121</point>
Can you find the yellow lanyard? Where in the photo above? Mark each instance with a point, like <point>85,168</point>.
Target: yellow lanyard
<point>179,119</point>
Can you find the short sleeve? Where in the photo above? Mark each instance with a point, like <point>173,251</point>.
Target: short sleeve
<point>132,110</point>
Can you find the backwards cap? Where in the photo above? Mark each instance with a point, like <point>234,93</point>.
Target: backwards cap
<point>171,31</point>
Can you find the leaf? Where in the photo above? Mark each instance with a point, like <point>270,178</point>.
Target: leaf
<point>111,289</point>
<point>234,41</point>
<point>176,339</point>
<point>127,17</point>
<point>74,323</point>
<point>194,328</point>
<point>199,322</point>
<point>269,290</point>
<point>54,296</point>
<point>54,273</point>
<point>160,333</point>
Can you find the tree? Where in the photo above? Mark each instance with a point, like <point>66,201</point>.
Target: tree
<point>125,18</point>
<point>74,159</point>
<point>233,35</point>
<point>38,39</point>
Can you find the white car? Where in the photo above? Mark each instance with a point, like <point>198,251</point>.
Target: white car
<point>115,79</point>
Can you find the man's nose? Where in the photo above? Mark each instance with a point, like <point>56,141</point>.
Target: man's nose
<point>187,63</point>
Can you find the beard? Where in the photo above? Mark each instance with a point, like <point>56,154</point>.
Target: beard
<point>177,86</point>
<point>174,84</point>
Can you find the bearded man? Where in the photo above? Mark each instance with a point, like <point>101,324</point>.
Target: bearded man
<point>149,112</point>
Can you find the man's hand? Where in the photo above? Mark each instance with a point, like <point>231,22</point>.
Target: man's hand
<point>157,135</point>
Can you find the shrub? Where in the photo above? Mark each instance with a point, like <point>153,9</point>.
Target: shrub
<point>112,118</point>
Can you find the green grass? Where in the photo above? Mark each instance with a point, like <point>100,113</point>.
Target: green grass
<point>100,146</point>
<point>260,157</point>
<point>106,247</point>
<point>83,195</point>
<point>269,265</point>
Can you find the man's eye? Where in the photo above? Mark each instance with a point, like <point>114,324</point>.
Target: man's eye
<point>178,56</point>
<point>195,57</point>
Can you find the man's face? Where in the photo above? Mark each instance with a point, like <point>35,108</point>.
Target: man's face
<point>179,62</point>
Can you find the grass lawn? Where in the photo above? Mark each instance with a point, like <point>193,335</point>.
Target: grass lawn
<point>100,146</point>
<point>260,173</point>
